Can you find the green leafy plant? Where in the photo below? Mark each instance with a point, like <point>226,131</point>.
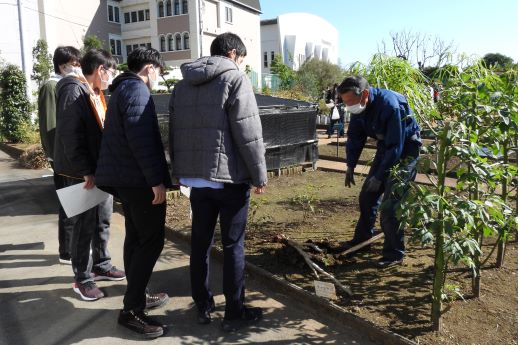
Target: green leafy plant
<point>307,200</point>
<point>255,222</point>
<point>42,66</point>
<point>91,42</point>
<point>16,107</point>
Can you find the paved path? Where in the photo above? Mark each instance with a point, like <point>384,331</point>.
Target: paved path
<point>38,306</point>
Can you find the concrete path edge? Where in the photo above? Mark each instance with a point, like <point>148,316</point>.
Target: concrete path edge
<point>328,308</point>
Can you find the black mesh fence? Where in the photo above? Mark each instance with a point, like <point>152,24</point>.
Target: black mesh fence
<point>289,129</point>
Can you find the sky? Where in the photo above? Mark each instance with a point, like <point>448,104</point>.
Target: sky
<point>476,27</point>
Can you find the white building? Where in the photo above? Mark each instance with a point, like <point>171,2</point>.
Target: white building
<point>298,37</point>
<point>181,29</point>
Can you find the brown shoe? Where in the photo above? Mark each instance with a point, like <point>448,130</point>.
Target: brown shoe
<point>139,322</point>
<point>88,291</point>
<point>156,300</point>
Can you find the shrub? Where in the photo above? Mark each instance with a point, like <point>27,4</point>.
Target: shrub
<point>15,113</point>
<point>34,158</point>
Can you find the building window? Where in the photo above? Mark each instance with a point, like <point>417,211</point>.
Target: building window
<point>161,9</point>
<point>162,44</point>
<point>228,14</point>
<point>265,60</point>
<point>128,49</point>
<point>127,18</point>
<point>272,55</point>
<point>147,14</point>
<point>133,17</point>
<point>141,16</point>
<point>186,41</point>
<point>115,46</point>
<point>148,45</point>
<point>178,39</point>
<point>185,7</point>
<point>176,7</point>
<point>168,8</point>
<point>113,14</point>
<point>135,46</point>
<point>170,45</point>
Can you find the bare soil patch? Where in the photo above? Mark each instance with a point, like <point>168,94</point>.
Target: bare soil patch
<point>397,298</point>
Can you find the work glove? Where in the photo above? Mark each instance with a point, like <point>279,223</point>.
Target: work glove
<point>349,177</point>
<point>372,185</point>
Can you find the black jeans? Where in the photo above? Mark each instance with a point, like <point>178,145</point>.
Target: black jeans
<point>91,231</point>
<point>143,243</point>
<point>65,226</point>
<point>231,205</point>
<point>394,244</point>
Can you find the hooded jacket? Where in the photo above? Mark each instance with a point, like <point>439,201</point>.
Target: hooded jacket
<point>215,129</point>
<point>132,153</point>
<point>78,132</point>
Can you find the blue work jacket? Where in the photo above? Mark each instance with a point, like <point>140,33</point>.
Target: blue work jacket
<point>388,119</point>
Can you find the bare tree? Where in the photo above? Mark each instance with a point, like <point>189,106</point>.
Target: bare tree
<point>418,48</point>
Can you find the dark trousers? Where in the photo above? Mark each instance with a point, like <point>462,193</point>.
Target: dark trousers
<point>231,205</point>
<point>65,226</point>
<point>143,243</point>
<point>91,230</point>
<point>394,245</point>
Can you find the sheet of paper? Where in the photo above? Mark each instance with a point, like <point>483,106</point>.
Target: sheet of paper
<point>75,199</point>
<point>326,290</point>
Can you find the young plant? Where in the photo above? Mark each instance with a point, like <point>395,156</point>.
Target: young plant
<point>307,200</point>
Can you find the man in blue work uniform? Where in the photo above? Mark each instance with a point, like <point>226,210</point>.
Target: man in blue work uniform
<point>383,115</point>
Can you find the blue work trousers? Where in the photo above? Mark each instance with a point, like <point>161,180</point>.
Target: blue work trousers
<point>394,245</point>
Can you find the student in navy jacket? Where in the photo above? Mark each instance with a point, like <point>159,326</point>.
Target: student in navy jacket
<point>383,115</point>
<point>132,165</point>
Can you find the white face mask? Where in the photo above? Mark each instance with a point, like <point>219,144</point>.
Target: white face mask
<point>69,69</point>
<point>355,109</point>
<point>153,84</point>
<point>106,83</point>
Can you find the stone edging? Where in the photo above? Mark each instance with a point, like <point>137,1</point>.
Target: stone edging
<point>319,304</point>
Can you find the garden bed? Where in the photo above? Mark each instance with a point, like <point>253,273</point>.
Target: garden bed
<point>396,298</point>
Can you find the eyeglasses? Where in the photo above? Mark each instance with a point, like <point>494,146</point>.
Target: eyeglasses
<point>111,72</point>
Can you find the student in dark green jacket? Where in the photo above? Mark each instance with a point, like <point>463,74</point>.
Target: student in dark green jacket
<point>66,60</point>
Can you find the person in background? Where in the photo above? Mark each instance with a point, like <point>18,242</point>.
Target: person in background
<point>65,60</point>
<point>383,115</point>
<point>132,165</point>
<point>80,117</point>
<point>217,148</point>
<point>336,114</point>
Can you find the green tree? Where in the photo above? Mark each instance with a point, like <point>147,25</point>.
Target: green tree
<point>15,111</point>
<point>42,66</point>
<point>91,42</point>
<point>498,60</point>
<point>285,73</point>
<point>314,76</point>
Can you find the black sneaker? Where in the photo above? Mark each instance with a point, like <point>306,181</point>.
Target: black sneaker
<point>65,259</point>
<point>139,322</point>
<point>156,300</point>
<point>248,316</point>
<point>204,317</point>
<point>384,262</point>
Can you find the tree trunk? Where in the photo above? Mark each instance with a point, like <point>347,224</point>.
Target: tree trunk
<point>500,254</point>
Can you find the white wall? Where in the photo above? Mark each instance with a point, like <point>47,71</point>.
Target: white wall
<point>300,36</point>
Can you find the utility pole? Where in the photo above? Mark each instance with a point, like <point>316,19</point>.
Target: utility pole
<point>20,26</point>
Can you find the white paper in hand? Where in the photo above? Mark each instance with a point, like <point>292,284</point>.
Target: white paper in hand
<point>76,200</point>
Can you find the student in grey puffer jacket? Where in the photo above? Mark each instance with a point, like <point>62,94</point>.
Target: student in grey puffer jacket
<point>217,148</point>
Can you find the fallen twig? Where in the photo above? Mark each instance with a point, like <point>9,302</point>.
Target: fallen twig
<point>313,266</point>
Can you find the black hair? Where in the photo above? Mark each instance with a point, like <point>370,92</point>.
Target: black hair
<point>225,42</point>
<point>355,83</point>
<point>95,58</point>
<point>141,56</point>
<point>64,55</point>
